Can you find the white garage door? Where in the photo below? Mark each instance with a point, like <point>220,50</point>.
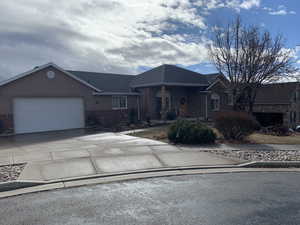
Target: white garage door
<point>46,114</point>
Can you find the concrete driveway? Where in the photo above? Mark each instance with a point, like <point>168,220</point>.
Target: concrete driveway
<point>70,154</point>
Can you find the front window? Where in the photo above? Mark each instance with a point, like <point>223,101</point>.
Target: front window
<point>119,102</point>
<point>215,102</point>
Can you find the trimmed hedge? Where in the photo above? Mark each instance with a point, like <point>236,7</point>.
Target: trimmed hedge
<point>236,125</point>
<point>188,132</point>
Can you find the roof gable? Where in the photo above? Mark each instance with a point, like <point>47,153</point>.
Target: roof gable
<point>36,69</point>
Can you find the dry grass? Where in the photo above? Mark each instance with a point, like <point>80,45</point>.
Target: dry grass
<point>155,133</point>
<point>271,139</point>
<point>160,134</point>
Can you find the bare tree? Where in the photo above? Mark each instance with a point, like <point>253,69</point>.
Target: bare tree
<point>249,57</point>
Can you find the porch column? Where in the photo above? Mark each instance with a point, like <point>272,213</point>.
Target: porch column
<point>163,102</point>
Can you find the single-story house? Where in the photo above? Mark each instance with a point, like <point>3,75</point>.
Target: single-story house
<point>51,98</point>
<point>278,103</point>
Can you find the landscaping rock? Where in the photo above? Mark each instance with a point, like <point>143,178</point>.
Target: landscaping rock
<point>257,155</point>
<point>10,172</point>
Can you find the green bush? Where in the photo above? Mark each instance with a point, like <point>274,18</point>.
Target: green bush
<point>236,125</point>
<point>171,115</point>
<point>188,132</point>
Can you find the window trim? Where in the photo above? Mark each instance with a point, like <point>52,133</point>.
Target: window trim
<point>118,97</point>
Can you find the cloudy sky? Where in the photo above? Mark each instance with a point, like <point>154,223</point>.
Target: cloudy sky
<point>127,36</point>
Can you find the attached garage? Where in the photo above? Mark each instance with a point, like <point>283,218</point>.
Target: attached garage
<point>46,98</point>
<point>49,98</point>
<point>47,114</point>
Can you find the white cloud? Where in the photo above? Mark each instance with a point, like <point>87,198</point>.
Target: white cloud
<point>106,35</point>
<point>280,11</point>
<point>232,4</point>
<point>250,4</point>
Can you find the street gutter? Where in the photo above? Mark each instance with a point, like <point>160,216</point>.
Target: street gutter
<point>19,187</point>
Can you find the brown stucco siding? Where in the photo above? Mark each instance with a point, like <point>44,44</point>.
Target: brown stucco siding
<point>110,118</point>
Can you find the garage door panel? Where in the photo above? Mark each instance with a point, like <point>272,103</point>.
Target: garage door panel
<point>46,114</point>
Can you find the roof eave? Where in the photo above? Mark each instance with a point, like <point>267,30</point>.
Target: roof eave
<point>106,93</point>
<point>169,84</point>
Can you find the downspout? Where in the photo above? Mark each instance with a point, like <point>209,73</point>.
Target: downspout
<point>138,106</point>
<point>206,112</point>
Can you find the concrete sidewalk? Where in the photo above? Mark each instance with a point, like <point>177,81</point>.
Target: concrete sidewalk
<point>100,165</point>
<point>100,154</point>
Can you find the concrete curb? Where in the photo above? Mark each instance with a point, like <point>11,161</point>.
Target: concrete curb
<point>271,164</point>
<point>117,177</point>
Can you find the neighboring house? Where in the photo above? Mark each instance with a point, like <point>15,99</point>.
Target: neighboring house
<point>278,103</point>
<point>51,98</point>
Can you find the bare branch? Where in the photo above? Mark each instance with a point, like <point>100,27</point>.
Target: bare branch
<point>249,58</point>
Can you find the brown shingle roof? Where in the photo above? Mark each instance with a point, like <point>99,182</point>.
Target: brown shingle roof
<point>172,75</point>
<point>277,93</point>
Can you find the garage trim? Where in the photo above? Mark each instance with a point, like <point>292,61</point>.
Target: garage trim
<point>40,114</point>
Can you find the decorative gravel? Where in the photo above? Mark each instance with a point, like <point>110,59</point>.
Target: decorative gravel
<point>10,172</point>
<point>266,155</point>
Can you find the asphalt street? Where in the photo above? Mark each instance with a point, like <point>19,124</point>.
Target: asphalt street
<point>212,199</point>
